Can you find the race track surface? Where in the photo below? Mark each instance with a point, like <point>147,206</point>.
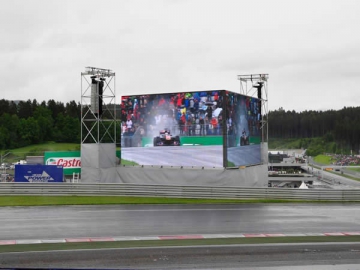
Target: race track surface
<point>154,220</point>
<point>326,256</point>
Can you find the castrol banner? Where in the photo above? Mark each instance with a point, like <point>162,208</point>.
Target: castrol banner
<point>70,161</point>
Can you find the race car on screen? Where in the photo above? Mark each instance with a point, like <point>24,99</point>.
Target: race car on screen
<point>165,138</point>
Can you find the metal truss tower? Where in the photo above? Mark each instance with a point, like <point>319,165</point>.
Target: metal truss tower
<point>98,125</point>
<point>256,85</point>
<point>98,108</point>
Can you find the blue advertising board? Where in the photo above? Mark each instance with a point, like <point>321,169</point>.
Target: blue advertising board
<point>39,173</point>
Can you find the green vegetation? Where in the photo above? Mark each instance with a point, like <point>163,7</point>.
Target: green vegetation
<point>319,132</point>
<point>278,143</point>
<point>128,162</point>
<point>102,200</point>
<point>231,164</point>
<point>314,146</point>
<point>38,150</point>
<point>323,159</point>
<point>98,200</point>
<point>354,169</point>
<point>186,242</point>
<point>344,175</point>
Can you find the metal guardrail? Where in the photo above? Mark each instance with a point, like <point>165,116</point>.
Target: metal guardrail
<point>97,189</point>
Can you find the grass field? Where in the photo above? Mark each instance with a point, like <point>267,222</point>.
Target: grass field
<point>169,243</point>
<point>101,200</point>
<point>323,159</point>
<point>39,149</point>
<point>128,162</point>
<point>50,146</point>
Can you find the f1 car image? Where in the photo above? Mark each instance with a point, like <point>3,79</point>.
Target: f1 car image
<point>244,139</point>
<point>165,138</point>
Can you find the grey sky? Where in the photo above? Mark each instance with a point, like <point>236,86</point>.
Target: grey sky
<point>310,49</point>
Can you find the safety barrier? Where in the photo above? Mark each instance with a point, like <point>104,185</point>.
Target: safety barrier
<point>97,189</point>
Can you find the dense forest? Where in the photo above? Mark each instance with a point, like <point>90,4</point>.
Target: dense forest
<point>340,128</point>
<point>30,122</point>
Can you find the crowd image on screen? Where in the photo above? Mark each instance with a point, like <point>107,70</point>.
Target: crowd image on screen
<point>185,114</point>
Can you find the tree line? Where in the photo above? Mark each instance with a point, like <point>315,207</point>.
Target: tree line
<point>341,127</point>
<point>29,122</point>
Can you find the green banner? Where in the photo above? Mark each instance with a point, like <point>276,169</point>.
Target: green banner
<point>189,140</point>
<point>70,161</point>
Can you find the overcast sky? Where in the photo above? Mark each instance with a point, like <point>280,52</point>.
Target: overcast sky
<point>310,49</point>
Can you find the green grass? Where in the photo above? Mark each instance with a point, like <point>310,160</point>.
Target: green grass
<point>38,150</point>
<point>99,200</point>
<point>354,169</point>
<point>323,159</point>
<point>108,200</point>
<point>128,162</point>
<point>345,176</point>
<point>231,164</point>
<point>275,144</point>
<point>50,146</point>
<point>166,243</point>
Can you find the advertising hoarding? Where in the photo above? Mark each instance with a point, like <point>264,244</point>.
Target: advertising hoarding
<point>177,129</point>
<point>69,160</point>
<point>38,173</point>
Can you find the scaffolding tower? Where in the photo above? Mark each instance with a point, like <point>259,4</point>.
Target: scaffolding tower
<point>98,125</point>
<point>98,108</point>
<point>256,85</point>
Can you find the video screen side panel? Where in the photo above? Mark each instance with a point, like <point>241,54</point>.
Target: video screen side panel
<point>243,119</point>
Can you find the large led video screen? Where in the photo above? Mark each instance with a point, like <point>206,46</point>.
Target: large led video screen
<point>173,129</point>
<point>243,120</point>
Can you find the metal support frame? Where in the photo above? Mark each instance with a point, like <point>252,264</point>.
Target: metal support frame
<point>248,87</point>
<point>97,128</point>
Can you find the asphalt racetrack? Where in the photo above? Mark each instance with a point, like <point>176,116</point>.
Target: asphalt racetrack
<point>317,256</point>
<point>191,156</point>
<point>48,222</point>
<point>146,220</point>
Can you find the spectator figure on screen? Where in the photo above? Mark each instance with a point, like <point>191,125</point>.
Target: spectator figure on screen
<point>206,123</point>
<point>191,105</point>
<point>161,102</point>
<point>202,126</point>
<point>193,125</point>
<point>209,111</point>
<point>123,116</point>
<point>187,102</point>
<point>123,128</point>
<point>219,125</point>
<point>189,127</point>
<point>182,123</point>
<point>196,105</point>
<point>129,123</point>
<point>214,124</point>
